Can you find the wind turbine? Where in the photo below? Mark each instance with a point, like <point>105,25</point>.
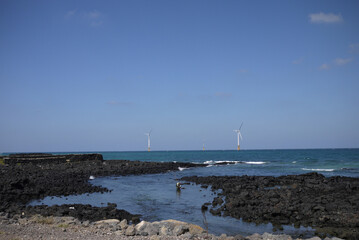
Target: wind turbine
<point>238,131</point>
<point>149,140</point>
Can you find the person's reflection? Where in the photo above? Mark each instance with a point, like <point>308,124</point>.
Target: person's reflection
<point>178,192</point>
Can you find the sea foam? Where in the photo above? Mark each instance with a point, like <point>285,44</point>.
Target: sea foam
<point>182,168</point>
<point>318,169</point>
<point>255,162</point>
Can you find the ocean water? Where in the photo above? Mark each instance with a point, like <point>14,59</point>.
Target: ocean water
<point>155,197</point>
<point>330,162</point>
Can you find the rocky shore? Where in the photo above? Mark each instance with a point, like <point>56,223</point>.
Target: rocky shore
<point>330,205</point>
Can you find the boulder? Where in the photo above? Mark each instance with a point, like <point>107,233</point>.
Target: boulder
<point>123,224</point>
<point>180,229</point>
<point>130,231</point>
<point>146,228</point>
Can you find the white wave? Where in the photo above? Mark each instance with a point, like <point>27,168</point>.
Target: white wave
<point>294,162</point>
<point>182,168</point>
<point>318,169</point>
<point>216,162</point>
<point>91,177</point>
<point>255,162</point>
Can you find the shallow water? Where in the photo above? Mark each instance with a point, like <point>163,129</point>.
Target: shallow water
<point>156,198</point>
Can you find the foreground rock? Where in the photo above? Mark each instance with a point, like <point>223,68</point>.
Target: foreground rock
<point>330,205</point>
<point>51,227</point>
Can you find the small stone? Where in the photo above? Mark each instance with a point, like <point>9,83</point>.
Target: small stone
<point>108,221</point>
<point>86,223</point>
<point>268,236</point>
<point>130,231</point>
<point>255,236</point>
<point>154,237</point>
<point>223,236</point>
<point>120,232</point>
<point>123,224</point>
<point>239,237</point>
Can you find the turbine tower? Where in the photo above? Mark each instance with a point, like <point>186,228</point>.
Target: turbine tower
<point>149,140</point>
<point>238,131</point>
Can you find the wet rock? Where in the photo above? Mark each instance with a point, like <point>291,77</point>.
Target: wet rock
<point>217,201</point>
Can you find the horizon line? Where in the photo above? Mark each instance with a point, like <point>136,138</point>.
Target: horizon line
<point>199,150</point>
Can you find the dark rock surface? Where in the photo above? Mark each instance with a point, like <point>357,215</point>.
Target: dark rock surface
<point>22,182</point>
<point>330,205</point>
<point>81,212</point>
<point>47,158</point>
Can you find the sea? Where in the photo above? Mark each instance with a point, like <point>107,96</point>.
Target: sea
<point>154,196</point>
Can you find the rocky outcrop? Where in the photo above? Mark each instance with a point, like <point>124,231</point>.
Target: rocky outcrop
<point>82,212</point>
<point>46,158</point>
<point>330,205</point>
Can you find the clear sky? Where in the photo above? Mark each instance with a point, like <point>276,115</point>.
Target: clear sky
<point>96,75</point>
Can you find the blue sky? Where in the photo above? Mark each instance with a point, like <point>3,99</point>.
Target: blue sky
<point>97,75</point>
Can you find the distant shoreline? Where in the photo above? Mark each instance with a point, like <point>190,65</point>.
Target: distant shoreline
<point>196,150</point>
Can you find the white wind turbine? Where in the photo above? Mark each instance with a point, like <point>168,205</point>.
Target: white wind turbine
<point>238,131</point>
<point>149,140</point>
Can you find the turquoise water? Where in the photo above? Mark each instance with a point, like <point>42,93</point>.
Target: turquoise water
<point>155,197</point>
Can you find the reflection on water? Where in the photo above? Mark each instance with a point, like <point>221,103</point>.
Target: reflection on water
<point>156,198</point>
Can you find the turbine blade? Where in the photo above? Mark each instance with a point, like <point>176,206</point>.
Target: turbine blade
<point>240,126</point>
<point>240,135</point>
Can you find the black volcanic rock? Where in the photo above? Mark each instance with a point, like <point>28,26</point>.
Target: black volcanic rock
<point>330,205</point>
